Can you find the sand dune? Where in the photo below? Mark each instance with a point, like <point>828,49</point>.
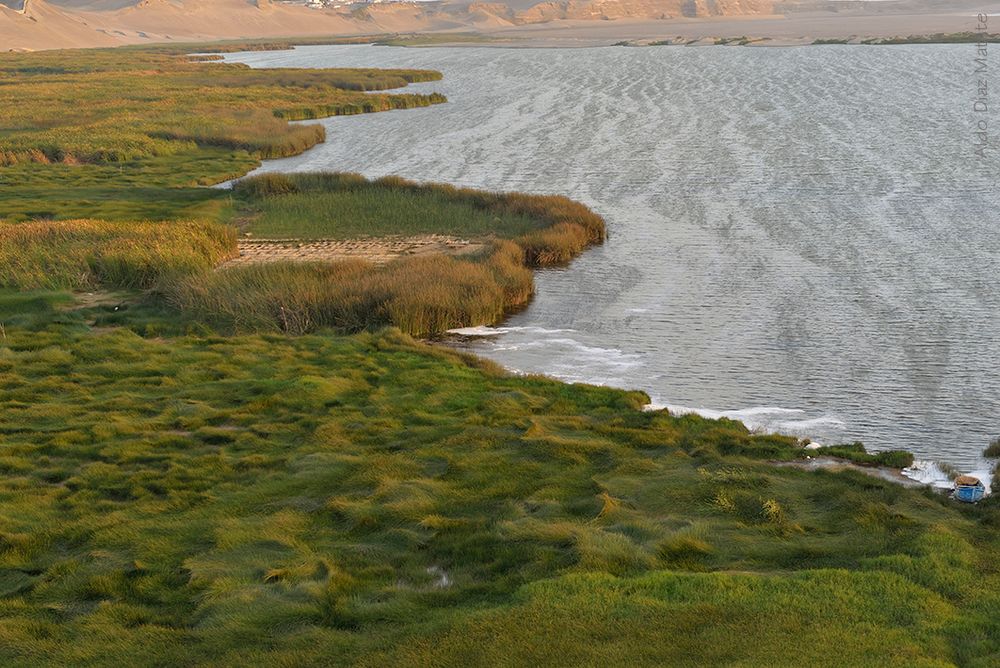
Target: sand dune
<point>41,24</point>
<point>213,19</point>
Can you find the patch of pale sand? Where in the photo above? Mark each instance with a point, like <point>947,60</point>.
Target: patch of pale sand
<point>376,250</point>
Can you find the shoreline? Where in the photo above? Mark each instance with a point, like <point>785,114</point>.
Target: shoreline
<point>923,472</point>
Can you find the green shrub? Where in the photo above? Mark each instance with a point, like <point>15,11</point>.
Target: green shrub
<point>856,453</point>
<point>992,451</point>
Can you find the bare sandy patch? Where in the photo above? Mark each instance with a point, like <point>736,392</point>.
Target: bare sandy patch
<point>376,250</point>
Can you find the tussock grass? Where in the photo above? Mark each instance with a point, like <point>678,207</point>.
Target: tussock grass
<point>992,451</point>
<point>85,254</point>
<point>300,500</point>
<point>422,295</point>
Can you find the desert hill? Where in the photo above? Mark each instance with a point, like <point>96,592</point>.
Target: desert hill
<point>46,24</point>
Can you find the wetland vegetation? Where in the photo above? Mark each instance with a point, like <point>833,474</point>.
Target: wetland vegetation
<point>194,471</point>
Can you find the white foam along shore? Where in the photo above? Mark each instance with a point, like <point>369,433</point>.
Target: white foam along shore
<point>930,473</point>
<point>924,471</point>
<point>775,419</point>
<point>485,331</point>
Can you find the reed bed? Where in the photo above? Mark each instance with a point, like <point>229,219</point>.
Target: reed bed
<point>87,254</point>
<point>550,229</point>
<point>422,295</point>
<point>255,131</point>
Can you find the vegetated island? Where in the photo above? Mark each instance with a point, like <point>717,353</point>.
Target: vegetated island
<point>204,466</point>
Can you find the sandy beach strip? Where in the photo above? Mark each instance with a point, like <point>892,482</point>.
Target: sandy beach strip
<point>375,250</point>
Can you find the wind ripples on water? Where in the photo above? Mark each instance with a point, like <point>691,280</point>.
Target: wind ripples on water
<point>800,238</point>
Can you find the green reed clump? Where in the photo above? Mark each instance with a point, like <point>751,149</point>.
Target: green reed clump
<point>992,451</point>
<point>84,254</point>
<point>371,104</point>
<point>420,295</point>
<point>551,229</point>
<point>855,452</point>
<point>354,79</point>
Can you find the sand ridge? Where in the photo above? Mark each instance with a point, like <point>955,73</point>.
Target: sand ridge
<point>375,250</point>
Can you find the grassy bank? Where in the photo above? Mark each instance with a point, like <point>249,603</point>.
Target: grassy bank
<point>551,229</point>
<point>126,134</point>
<point>330,501</point>
<point>421,295</point>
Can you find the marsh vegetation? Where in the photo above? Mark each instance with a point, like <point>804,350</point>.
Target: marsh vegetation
<point>129,134</point>
<point>188,477</point>
<point>234,500</point>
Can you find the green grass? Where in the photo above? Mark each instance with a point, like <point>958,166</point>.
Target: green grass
<point>348,206</point>
<point>813,618</point>
<point>170,495</point>
<point>296,500</point>
<point>855,452</point>
<point>145,189</point>
<point>80,131</point>
<point>376,212</point>
<point>88,254</point>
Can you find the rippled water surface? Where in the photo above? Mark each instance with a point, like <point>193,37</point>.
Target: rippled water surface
<point>802,238</point>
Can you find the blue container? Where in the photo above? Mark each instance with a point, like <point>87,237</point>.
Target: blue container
<point>969,489</point>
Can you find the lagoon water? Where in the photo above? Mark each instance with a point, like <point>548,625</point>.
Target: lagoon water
<point>801,238</point>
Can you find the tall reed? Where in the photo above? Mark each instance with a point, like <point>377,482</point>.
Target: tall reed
<point>87,254</point>
<point>420,295</point>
